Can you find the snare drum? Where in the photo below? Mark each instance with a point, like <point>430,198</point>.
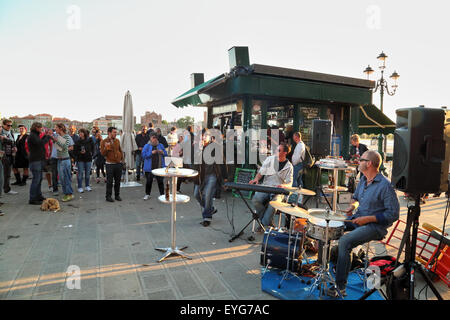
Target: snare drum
<point>315,228</point>
<point>274,250</point>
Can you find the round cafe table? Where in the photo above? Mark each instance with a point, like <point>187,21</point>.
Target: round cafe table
<point>174,198</point>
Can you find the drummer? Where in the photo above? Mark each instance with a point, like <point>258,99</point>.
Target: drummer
<point>377,208</point>
<point>277,171</point>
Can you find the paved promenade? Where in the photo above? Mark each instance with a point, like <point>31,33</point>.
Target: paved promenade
<point>114,246</point>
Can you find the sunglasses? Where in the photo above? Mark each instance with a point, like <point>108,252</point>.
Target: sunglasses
<point>361,159</point>
<point>8,125</point>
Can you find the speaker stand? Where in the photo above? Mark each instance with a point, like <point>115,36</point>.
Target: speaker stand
<point>410,251</point>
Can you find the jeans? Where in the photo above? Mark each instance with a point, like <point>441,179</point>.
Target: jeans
<point>139,163</point>
<point>35,187</point>
<point>204,195</point>
<point>347,242</point>
<point>54,169</point>
<point>65,175</point>
<point>149,181</point>
<point>263,209</point>
<point>298,175</point>
<point>113,175</point>
<point>84,169</point>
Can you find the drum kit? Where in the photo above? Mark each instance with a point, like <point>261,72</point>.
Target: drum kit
<point>322,224</point>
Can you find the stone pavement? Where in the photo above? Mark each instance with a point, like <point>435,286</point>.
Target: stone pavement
<point>114,244</point>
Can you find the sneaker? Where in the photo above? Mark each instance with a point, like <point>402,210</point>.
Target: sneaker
<point>332,292</point>
<point>88,188</point>
<point>35,202</point>
<point>80,190</point>
<point>118,198</point>
<point>1,213</point>
<point>104,180</point>
<point>50,189</point>
<point>67,197</point>
<point>11,192</point>
<point>56,193</point>
<point>146,197</point>
<point>98,180</point>
<point>109,199</point>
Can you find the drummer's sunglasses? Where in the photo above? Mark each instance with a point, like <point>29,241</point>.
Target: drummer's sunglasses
<point>361,159</point>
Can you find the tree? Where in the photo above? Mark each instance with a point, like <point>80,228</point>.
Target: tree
<point>185,121</point>
<point>164,122</point>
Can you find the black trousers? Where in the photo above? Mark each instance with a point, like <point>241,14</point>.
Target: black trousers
<point>113,174</point>
<point>54,167</point>
<point>149,181</point>
<point>7,162</point>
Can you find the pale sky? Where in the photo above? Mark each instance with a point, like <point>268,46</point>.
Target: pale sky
<point>77,58</point>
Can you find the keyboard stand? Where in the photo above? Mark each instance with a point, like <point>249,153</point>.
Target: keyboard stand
<point>255,217</point>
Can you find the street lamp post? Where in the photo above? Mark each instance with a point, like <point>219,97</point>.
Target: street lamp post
<point>382,83</point>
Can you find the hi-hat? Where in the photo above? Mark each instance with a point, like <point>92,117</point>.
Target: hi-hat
<point>289,209</point>
<point>326,215</point>
<point>302,191</point>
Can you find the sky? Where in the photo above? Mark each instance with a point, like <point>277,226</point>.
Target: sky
<point>78,58</point>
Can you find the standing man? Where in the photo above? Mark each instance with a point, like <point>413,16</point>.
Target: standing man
<point>141,140</point>
<point>150,129</point>
<point>111,150</point>
<point>297,159</point>
<point>62,142</point>
<point>377,208</point>
<point>9,148</point>
<point>161,138</point>
<point>153,155</point>
<point>210,176</point>
<point>36,146</point>
<point>277,172</point>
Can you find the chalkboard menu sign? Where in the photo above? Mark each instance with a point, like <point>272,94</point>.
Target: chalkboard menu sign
<point>308,114</point>
<point>243,176</point>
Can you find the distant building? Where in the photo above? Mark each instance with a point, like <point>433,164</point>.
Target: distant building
<point>43,118</point>
<point>27,121</point>
<point>64,121</point>
<point>101,123</point>
<point>116,121</point>
<point>151,117</point>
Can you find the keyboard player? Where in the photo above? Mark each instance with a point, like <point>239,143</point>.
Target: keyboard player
<point>276,171</point>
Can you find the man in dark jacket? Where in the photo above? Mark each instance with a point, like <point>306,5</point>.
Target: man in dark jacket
<point>161,138</point>
<point>210,176</point>
<point>36,146</point>
<point>141,140</point>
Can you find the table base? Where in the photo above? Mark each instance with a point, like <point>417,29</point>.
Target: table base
<point>173,252</point>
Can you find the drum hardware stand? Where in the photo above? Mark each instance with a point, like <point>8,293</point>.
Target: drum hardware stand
<point>323,275</point>
<point>255,217</point>
<point>318,187</point>
<point>287,271</point>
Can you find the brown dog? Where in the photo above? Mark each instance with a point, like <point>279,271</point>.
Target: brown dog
<point>50,204</point>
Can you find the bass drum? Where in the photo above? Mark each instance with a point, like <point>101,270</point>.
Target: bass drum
<point>274,249</point>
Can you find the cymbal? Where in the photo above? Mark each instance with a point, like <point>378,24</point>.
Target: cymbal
<point>323,214</point>
<point>289,209</point>
<point>302,191</point>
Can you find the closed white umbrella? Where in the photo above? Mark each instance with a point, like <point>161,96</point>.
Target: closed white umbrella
<point>127,140</point>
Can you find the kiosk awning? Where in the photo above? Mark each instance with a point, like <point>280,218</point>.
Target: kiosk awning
<point>194,96</point>
<point>373,121</point>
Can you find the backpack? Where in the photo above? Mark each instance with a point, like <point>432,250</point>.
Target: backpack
<point>308,160</point>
